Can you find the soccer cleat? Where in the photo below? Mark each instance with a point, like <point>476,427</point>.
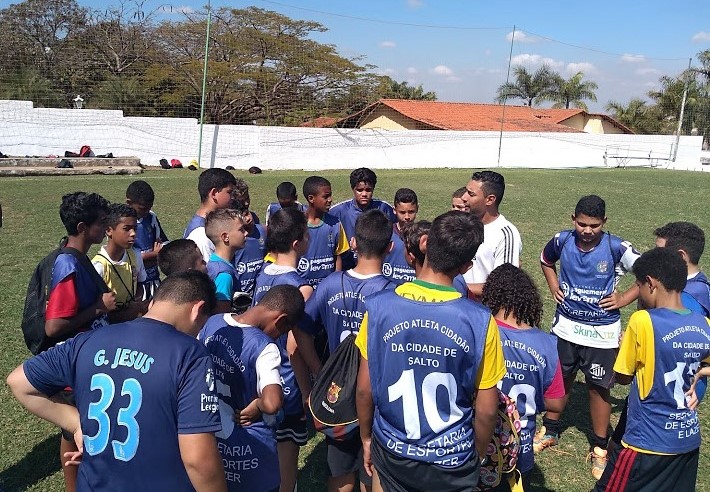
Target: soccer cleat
<point>598,457</point>
<point>544,439</point>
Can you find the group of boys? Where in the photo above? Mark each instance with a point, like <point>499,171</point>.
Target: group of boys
<point>441,314</point>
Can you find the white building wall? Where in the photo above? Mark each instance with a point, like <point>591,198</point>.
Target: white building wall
<point>25,130</point>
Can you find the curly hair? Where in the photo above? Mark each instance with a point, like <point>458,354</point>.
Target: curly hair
<point>511,289</point>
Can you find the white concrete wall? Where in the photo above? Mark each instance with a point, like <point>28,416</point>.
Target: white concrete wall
<point>25,130</point>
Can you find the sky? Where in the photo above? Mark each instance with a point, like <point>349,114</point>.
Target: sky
<point>460,48</point>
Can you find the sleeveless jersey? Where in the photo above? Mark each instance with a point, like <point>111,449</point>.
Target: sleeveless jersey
<point>348,212</point>
<point>137,386</point>
<point>323,244</point>
<point>339,305</point>
<point>661,422</point>
<point>585,277</point>
<point>148,232</point>
<point>698,287</point>
<point>395,266</point>
<point>248,453</point>
<point>122,278</point>
<point>531,361</point>
<point>86,289</point>
<point>264,282</point>
<point>217,266</point>
<point>423,361</point>
<point>249,260</point>
<point>195,222</point>
<point>460,285</point>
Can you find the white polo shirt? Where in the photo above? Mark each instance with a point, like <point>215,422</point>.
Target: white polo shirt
<point>501,244</point>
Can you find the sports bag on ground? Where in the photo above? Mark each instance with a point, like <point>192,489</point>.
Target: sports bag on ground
<point>502,454</point>
<point>38,294</point>
<point>332,399</point>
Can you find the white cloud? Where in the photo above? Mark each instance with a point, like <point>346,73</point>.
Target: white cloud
<point>487,52</point>
<point>415,4</point>
<point>628,58</point>
<point>412,71</point>
<point>388,44</point>
<point>585,67</point>
<point>453,78</point>
<point>521,37</point>
<point>442,70</point>
<point>183,9</point>
<point>701,37</point>
<point>647,71</point>
<point>535,60</point>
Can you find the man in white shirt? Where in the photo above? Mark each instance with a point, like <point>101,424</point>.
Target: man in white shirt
<point>501,239</point>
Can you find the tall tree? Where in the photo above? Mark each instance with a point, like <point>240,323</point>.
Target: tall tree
<point>402,90</point>
<point>637,115</point>
<point>572,92</point>
<point>533,88</point>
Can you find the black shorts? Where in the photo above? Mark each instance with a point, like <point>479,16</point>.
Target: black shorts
<point>630,470</point>
<point>293,429</point>
<point>346,457</point>
<point>399,474</point>
<point>597,364</point>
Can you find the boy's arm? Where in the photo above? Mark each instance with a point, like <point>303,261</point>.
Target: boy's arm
<point>617,300</point>
<point>202,461</point>
<point>550,273</point>
<point>306,348</point>
<point>486,406</point>
<point>270,401</point>
<point>300,369</point>
<point>365,411</point>
<point>306,291</point>
<point>63,294</point>
<point>338,263</point>
<point>629,351</point>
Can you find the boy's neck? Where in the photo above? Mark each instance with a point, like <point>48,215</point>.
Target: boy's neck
<point>255,317</point>
<point>314,216</point>
<point>289,259</point>
<point>225,252</point>
<point>114,251</point>
<point>428,275</point>
<point>510,320</point>
<point>693,269</point>
<point>79,243</point>
<point>205,209</point>
<point>590,246</point>
<point>368,265</point>
<point>669,299</point>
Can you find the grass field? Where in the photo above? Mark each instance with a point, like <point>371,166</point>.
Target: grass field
<point>538,202</point>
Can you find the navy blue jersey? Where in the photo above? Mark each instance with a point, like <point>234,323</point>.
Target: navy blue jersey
<point>416,350</point>
<point>249,260</point>
<point>148,232</point>
<point>292,395</point>
<point>324,244</point>
<point>531,361</point>
<point>339,305</point>
<point>195,222</point>
<point>586,277</point>
<point>348,212</point>
<point>460,285</point>
<point>137,386</point>
<point>86,289</point>
<point>660,420</point>
<point>274,207</point>
<point>697,293</point>
<point>248,453</point>
<point>395,266</point>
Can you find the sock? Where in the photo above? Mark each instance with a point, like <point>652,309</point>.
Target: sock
<point>599,441</point>
<point>552,426</point>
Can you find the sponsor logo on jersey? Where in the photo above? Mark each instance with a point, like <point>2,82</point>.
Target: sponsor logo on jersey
<point>331,240</point>
<point>303,265</point>
<point>387,269</point>
<point>603,266</point>
<point>597,371</point>
<point>565,288</point>
<point>241,268</point>
<point>209,379</point>
<point>333,393</point>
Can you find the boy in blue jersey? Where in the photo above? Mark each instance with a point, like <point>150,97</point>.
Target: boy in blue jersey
<point>76,302</point>
<point>249,385</point>
<point>587,321</point>
<point>327,240</point>
<point>425,351</point>
<point>149,233</point>
<point>146,411</point>
<point>362,182</point>
<point>215,187</point>
<point>241,193</point>
<point>120,266</point>
<point>287,197</point>
<point>249,260</point>
<point>339,305</point>
<point>534,375</point>
<point>662,348</point>
<point>689,240</point>
<point>181,255</point>
<point>396,267</point>
<point>226,231</point>
<point>286,243</point>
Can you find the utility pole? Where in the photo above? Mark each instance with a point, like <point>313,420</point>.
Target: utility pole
<point>505,96</point>
<point>682,111</point>
<point>204,84</point>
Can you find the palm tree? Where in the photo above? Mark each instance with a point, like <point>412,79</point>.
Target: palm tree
<point>637,115</point>
<point>532,88</point>
<point>572,92</point>
<point>402,90</point>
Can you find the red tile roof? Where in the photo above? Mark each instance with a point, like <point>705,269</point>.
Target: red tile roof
<point>471,116</point>
<point>321,122</point>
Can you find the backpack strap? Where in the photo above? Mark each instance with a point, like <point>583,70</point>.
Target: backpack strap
<point>131,291</point>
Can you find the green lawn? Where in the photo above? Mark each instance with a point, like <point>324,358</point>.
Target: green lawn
<point>538,202</point>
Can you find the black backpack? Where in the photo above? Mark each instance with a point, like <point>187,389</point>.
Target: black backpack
<point>38,294</point>
<point>332,399</point>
